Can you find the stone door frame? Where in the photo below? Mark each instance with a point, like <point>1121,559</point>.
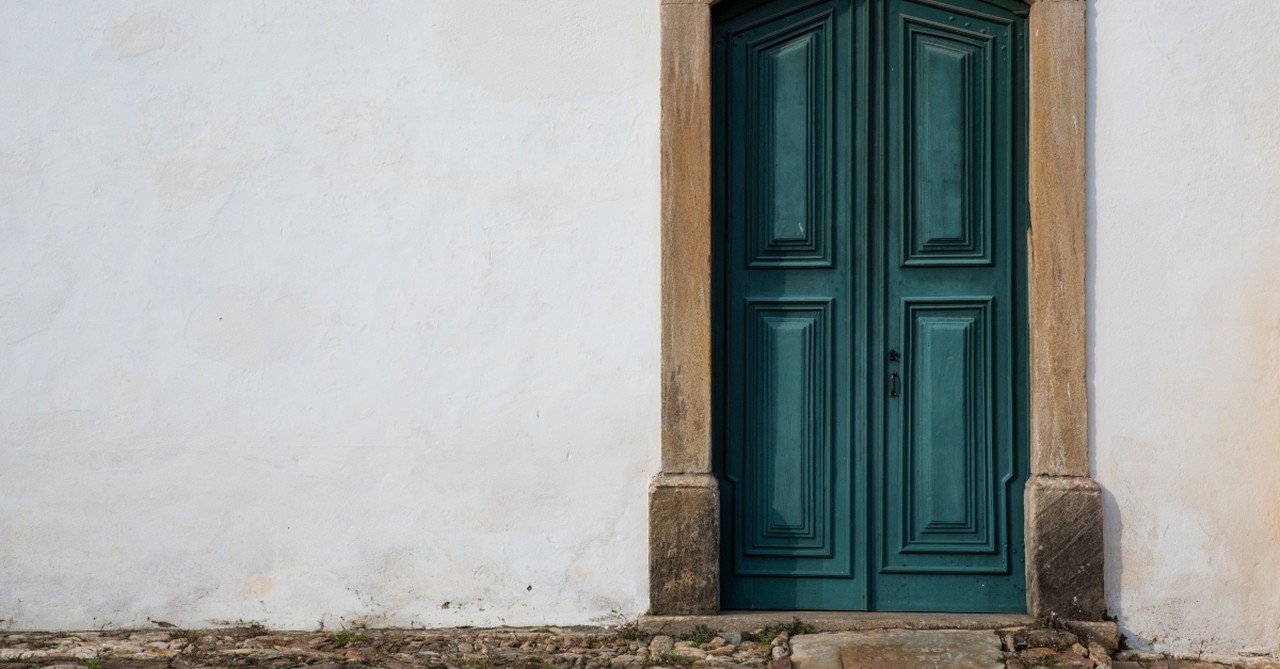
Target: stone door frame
<point>1063,503</point>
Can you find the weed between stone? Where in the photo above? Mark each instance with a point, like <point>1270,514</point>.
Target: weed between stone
<point>700,635</point>
<point>793,628</point>
<point>667,659</point>
<point>347,637</point>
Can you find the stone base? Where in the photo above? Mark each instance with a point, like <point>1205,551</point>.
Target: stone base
<point>684,545</point>
<point>1064,548</point>
<point>832,621</point>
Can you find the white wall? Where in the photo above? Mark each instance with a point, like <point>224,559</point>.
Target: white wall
<point>302,317</point>
<point>1185,288</point>
<point>327,311</point>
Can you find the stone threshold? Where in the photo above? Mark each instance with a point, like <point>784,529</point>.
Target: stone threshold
<point>833,621</point>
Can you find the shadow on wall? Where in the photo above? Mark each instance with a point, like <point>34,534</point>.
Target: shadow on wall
<point>1113,525</point>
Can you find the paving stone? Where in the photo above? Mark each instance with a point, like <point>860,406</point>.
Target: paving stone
<point>1106,633</point>
<point>1074,659</point>
<point>893,649</point>
<point>661,644</point>
<point>1058,640</point>
<point>691,653</point>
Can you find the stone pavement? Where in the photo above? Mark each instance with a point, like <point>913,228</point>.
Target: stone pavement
<point>791,645</point>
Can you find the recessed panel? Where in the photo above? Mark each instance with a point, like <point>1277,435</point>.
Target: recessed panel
<point>949,488</point>
<point>947,195</point>
<point>789,79</point>
<point>788,464</point>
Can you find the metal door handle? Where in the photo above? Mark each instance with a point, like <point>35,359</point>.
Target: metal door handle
<point>893,384</point>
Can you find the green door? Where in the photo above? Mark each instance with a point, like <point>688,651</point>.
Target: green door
<point>870,314</point>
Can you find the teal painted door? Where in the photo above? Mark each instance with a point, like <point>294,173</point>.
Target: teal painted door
<point>870,319</point>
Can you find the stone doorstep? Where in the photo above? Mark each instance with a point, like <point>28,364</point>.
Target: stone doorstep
<point>865,640</point>
<point>898,649</point>
<point>834,621</point>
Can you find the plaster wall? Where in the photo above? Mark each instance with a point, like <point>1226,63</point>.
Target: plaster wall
<point>1184,286</point>
<point>327,312</point>
<point>349,313</point>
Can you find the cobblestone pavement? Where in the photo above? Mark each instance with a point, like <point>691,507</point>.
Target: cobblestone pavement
<point>519,648</point>
<point>540,648</point>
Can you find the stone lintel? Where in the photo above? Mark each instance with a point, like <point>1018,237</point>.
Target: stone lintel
<point>684,544</point>
<point>1064,548</point>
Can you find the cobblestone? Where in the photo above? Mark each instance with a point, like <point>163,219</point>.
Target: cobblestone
<point>258,648</point>
<point>254,647</point>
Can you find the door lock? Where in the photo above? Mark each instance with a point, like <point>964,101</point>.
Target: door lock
<point>893,376</point>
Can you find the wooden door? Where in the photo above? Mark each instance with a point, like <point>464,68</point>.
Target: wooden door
<point>870,318</point>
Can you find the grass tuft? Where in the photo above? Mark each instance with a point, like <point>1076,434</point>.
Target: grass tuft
<point>667,659</point>
<point>346,637</point>
<point>701,634</point>
<point>796,626</point>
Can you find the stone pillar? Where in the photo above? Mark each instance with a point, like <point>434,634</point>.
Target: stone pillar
<point>1063,504</point>
<point>1064,548</point>
<point>684,503</point>
<point>684,545</point>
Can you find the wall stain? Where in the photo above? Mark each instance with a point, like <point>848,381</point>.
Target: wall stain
<point>137,35</point>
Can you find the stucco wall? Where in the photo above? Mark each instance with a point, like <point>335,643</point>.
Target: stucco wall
<point>349,313</point>
<point>312,312</point>
<point>1185,332</point>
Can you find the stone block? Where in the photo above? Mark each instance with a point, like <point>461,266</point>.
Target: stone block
<point>1065,550</point>
<point>1056,640</point>
<point>1105,633</point>
<point>947,649</point>
<point>684,545</point>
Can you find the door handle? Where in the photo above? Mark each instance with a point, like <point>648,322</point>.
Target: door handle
<point>893,384</point>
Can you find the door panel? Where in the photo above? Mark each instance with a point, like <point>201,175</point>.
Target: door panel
<point>944,112</point>
<point>788,485</point>
<point>865,203</point>
<point>788,149</point>
<point>948,485</point>
<point>786,478</point>
<point>946,444</point>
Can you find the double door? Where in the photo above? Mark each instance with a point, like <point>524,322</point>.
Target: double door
<point>870,319</point>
